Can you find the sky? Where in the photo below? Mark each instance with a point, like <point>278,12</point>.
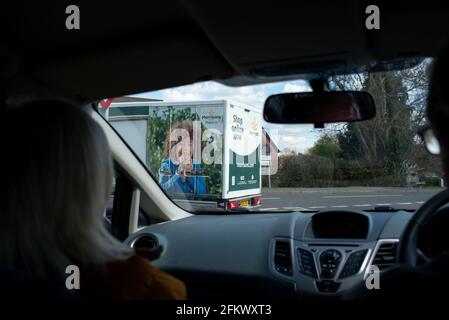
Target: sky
<point>295,137</point>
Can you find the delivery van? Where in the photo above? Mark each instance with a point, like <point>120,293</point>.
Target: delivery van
<point>220,140</point>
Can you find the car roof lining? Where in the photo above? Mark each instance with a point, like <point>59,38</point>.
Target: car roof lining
<point>149,46</point>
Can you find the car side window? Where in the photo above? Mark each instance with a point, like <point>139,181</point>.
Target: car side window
<point>107,215</point>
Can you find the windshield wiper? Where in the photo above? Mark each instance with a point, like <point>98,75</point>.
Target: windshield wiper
<point>384,209</point>
<point>238,210</point>
<point>387,209</point>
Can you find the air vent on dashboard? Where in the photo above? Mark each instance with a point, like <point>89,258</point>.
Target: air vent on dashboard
<point>283,257</point>
<point>145,242</point>
<point>386,255</point>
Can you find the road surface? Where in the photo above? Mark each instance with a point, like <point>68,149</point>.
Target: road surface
<point>341,198</point>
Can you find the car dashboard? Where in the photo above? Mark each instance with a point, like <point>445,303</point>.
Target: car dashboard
<point>275,255</point>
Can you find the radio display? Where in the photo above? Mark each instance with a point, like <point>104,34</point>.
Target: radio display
<point>340,225</point>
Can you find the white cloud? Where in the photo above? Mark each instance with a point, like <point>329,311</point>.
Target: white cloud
<point>296,87</point>
<point>251,95</point>
<point>298,143</point>
<point>298,137</point>
<point>296,129</point>
<point>294,140</point>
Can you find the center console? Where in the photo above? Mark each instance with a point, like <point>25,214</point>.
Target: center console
<point>331,253</point>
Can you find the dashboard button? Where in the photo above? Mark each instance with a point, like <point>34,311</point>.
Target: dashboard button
<point>330,256</point>
<point>329,261</point>
<point>327,286</point>
<point>327,273</point>
<point>353,263</point>
<point>306,263</point>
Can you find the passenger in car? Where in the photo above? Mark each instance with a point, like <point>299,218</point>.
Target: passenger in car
<point>58,177</point>
<point>438,106</point>
<point>430,281</point>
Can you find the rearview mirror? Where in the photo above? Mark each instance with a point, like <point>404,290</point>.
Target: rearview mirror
<point>319,108</point>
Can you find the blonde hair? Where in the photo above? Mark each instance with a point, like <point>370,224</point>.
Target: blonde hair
<point>58,177</point>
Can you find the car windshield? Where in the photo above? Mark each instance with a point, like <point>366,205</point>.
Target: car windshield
<point>211,151</point>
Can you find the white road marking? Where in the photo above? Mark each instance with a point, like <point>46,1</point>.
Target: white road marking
<point>295,208</point>
<point>343,206</point>
<point>364,196</point>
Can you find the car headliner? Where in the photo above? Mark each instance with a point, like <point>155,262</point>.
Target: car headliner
<point>132,46</point>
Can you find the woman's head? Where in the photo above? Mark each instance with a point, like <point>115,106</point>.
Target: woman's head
<point>57,178</point>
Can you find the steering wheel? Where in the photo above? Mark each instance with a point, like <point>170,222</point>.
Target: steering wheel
<point>408,251</point>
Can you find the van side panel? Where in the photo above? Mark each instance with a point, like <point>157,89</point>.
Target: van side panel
<point>244,137</point>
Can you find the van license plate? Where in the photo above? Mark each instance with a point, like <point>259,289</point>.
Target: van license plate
<point>244,203</point>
